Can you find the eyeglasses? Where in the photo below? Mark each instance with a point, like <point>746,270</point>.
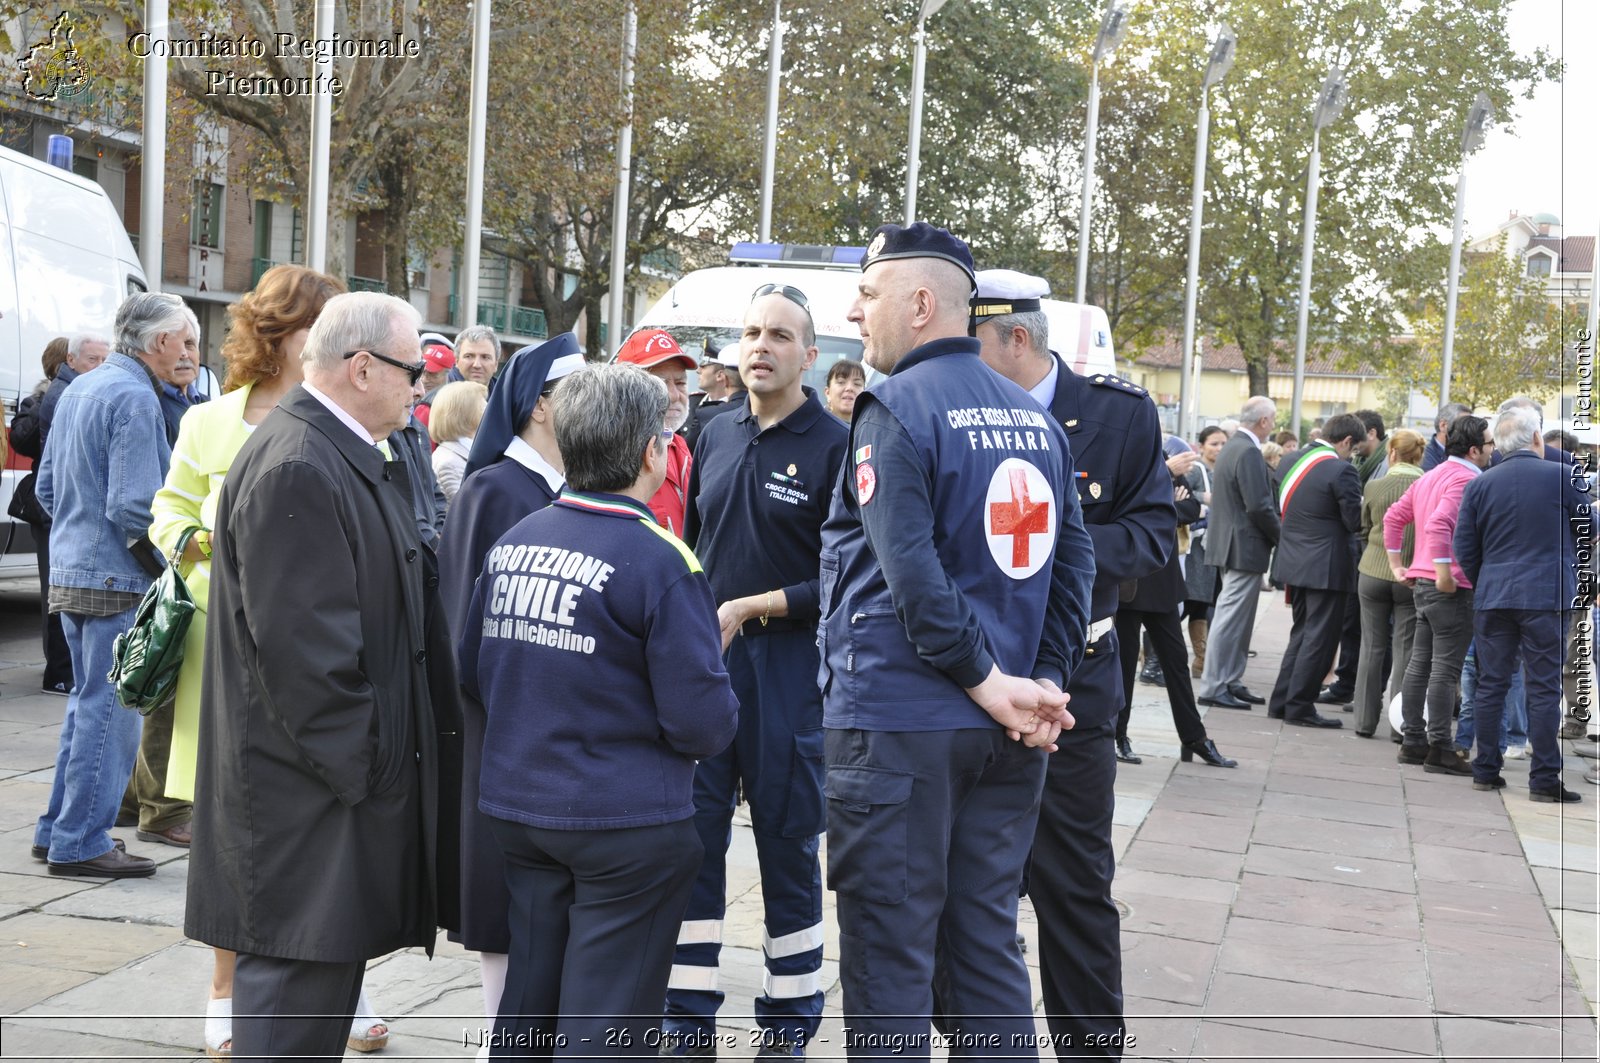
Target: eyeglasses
<point>789,292</point>
<point>414,370</point>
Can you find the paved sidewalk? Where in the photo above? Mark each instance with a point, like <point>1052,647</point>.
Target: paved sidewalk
<point>1318,901</point>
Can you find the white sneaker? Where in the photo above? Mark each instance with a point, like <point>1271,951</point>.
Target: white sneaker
<point>1517,752</point>
<point>1592,776</point>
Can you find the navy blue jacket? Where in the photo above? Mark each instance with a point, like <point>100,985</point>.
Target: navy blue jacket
<point>1122,479</point>
<point>490,503</point>
<point>593,643</point>
<point>955,544</point>
<point>1516,534</point>
<point>757,500</point>
<point>176,402</point>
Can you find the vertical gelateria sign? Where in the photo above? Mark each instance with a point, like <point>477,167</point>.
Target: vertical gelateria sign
<point>52,69</point>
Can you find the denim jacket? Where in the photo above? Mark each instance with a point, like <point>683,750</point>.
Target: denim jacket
<point>106,457</point>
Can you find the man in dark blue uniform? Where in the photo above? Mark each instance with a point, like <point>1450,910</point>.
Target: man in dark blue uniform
<point>1127,509</point>
<point>759,491</point>
<point>955,587</point>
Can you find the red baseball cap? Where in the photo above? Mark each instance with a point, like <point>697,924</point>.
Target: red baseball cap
<point>650,347</point>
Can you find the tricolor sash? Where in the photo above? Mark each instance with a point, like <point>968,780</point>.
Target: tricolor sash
<point>1315,454</point>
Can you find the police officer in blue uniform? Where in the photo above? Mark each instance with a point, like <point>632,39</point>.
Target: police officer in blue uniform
<point>762,479</point>
<point>955,587</point>
<point>1127,508</point>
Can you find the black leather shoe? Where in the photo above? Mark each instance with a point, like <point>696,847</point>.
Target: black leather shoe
<point>1242,692</point>
<point>1334,696</point>
<point>1560,795</point>
<point>1206,750</point>
<point>1363,734</point>
<point>114,864</point>
<point>1447,760</point>
<point>41,853</point>
<point>1496,783</point>
<point>1410,754</point>
<point>692,1044</point>
<point>1314,720</point>
<point>1153,676</point>
<point>1225,701</point>
<point>1126,754</point>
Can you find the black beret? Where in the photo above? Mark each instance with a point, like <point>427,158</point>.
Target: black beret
<point>919,240</point>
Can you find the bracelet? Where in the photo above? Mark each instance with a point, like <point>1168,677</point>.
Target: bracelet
<point>768,614</point>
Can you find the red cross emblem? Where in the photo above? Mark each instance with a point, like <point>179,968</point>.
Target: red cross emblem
<point>1019,507</point>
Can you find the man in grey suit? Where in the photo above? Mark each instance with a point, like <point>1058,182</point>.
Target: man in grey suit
<point>1243,530</point>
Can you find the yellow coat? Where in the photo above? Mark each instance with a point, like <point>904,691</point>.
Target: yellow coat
<point>209,438</point>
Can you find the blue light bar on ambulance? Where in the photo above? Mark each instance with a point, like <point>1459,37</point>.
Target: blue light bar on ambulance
<point>803,255</point>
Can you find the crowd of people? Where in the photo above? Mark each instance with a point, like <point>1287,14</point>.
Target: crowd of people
<point>499,647</point>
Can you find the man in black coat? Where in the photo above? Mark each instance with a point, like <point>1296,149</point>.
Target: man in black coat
<point>1241,533</point>
<point>1321,501</point>
<point>1126,494</point>
<point>317,830</point>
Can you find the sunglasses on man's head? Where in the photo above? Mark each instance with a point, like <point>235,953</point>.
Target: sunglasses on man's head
<point>414,370</point>
<point>789,292</point>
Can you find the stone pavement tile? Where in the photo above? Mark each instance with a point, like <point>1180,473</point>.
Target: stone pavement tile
<point>1187,918</point>
<point>158,1000</point>
<point>1464,813</point>
<point>1588,979</point>
<point>1225,1040</point>
<point>21,803</point>
<point>26,1041</point>
<point>1316,1011</point>
<point>1338,959</point>
<point>1310,764</point>
<point>59,943</point>
<point>1332,905</point>
<point>1179,859</point>
<point>157,900</point>
<point>37,710</point>
<point>32,748</point>
<point>1331,867</point>
<point>1349,839</point>
<point>1215,789</point>
<point>1580,934</point>
<point>24,985</point>
<point>1158,1028</point>
<point>1501,840</point>
<point>1531,975</point>
<point>1572,855</point>
<point>1444,864</point>
<point>1176,887</point>
<point>1470,1037</point>
<point>1228,833</point>
<point>1122,836</point>
<point>1338,811</point>
<point>1166,968</point>
<point>437,1000</point>
<point>21,892</point>
<point>1577,890</point>
<point>1448,791</point>
<point>1289,782</point>
<point>1130,811</point>
<point>1469,906</point>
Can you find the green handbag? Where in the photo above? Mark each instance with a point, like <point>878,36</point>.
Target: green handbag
<point>146,658</point>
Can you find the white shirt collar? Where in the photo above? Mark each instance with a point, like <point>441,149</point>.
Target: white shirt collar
<point>339,412</point>
<point>1254,438</point>
<point>520,452</point>
<point>1464,463</point>
<point>1044,392</point>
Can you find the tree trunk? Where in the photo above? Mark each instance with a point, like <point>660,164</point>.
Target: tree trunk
<point>394,176</point>
<point>593,344</point>
<point>1256,366</point>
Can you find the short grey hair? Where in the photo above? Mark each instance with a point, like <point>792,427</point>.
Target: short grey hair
<point>76,344</point>
<point>145,315</point>
<point>355,321</point>
<point>1522,402</point>
<point>478,332</point>
<point>1257,408</point>
<point>1450,411</point>
<point>605,415</point>
<point>1516,428</point>
<point>1032,321</point>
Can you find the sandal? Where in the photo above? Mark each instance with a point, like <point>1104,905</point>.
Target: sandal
<point>219,1028</point>
<point>368,1032</point>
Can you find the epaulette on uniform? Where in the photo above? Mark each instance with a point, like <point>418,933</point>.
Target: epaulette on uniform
<point>1116,383</point>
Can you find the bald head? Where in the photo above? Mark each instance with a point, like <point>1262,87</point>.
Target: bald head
<point>903,303</point>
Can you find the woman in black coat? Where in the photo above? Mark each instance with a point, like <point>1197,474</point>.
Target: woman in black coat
<point>1152,603</point>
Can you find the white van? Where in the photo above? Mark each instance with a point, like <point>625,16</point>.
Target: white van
<point>66,264</point>
<point>708,305</point>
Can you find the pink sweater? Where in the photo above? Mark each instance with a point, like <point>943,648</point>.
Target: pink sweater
<point>1432,504</point>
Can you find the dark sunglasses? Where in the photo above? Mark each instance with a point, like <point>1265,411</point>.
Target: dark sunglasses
<point>794,295</point>
<point>414,370</point>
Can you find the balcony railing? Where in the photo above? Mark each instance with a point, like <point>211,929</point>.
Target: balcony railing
<point>366,284</point>
<point>258,266</point>
<point>522,320</point>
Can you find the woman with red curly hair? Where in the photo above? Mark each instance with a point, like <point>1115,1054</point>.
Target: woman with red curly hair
<point>267,330</point>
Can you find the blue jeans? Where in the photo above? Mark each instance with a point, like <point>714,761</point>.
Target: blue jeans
<point>1538,633</point>
<point>1515,731</point>
<point>99,741</point>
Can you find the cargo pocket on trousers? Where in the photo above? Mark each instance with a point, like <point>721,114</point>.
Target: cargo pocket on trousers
<point>804,817</point>
<point>868,821</point>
